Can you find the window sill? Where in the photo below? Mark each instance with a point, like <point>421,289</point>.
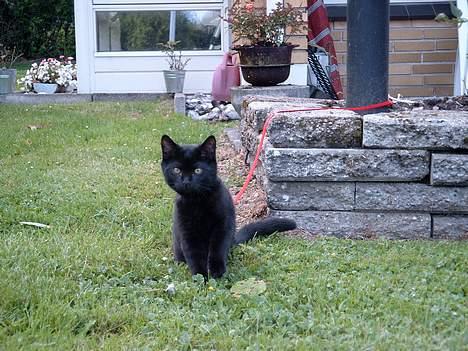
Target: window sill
<point>156,53</point>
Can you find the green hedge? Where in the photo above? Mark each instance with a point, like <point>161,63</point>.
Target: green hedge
<point>38,28</point>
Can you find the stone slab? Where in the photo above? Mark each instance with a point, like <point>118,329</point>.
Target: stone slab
<point>37,99</point>
<point>250,138</point>
<point>411,197</point>
<point>432,130</point>
<point>255,112</point>
<point>316,129</point>
<point>361,224</point>
<point>130,96</point>
<point>345,164</point>
<point>64,98</point>
<point>449,169</point>
<point>286,90</point>
<point>179,103</point>
<point>310,195</point>
<point>450,227</point>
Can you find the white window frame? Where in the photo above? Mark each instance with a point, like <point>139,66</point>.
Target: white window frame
<point>155,5</point>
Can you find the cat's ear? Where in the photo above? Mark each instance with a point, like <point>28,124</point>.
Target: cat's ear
<point>169,147</point>
<point>208,149</point>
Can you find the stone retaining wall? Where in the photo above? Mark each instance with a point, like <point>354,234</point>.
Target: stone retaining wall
<point>400,175</point>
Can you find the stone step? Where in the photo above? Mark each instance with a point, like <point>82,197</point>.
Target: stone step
<point>255,112</point>
<point>331,196</point>
<point>450,227</point>
<point>432,130</point>
<point>279,92</point>
<point>411,197</point>
<point>449,169</point>
<point>345,164</point>
<point>377,196</point>
<point>361,224</point>
<point>316,129</point>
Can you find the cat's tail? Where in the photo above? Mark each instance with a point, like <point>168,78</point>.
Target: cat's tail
<point>263,227</point>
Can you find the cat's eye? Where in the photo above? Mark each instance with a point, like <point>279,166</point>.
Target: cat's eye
<point>176,170</point>
<point>198,171</point>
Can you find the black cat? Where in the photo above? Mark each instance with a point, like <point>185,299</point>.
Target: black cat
<point>204,227</point>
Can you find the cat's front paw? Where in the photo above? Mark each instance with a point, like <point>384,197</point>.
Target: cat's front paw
<point>217,271</point>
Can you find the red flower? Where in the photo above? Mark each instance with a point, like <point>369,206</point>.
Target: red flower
<point>249,7</point>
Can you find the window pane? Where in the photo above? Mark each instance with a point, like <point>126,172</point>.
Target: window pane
<point>144,30</point>
<point>132,30</point>
<point>198,30</point>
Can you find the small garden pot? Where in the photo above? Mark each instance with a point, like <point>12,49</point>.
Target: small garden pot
<point>4,84</point>
<point>45,88</point>
<point>11,73</point>
<point>174,81</point>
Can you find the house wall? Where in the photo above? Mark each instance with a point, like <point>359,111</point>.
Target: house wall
<point>422,51</point>
<point>137,71</point>
<point>422,56</point>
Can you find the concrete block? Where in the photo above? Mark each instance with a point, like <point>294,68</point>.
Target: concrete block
<point>286,90</point>
<point>316,129</point>
<point>361,224</point>
<point>433,130</point>
<point>450,227</point>
<point>179,103</point>
<point>410,197</point>
<point>310,195</point>
<point>121,97</point>
<point>345,164</point>
<point>449,169</point>
<point>37,99</point>
<point>255,112</point>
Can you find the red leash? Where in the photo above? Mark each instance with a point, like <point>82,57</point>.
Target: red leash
<point>268,120</point>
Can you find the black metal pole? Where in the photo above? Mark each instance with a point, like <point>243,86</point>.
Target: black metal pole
<point>367,61</point>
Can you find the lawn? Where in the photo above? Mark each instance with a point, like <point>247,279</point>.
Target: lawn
<point>97,278</point>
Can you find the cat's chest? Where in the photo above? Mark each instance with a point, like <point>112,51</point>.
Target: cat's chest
<point>199,216</point>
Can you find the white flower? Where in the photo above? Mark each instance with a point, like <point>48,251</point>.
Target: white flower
<point>62,72</point>
<point>171,289</point>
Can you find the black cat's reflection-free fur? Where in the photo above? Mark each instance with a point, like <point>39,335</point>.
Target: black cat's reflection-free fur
<point>204,220</point>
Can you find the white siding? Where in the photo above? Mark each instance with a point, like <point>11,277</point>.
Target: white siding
<point>461,70</point>
<point>107,72</point>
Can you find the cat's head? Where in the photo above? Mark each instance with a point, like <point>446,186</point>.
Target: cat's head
<point>189,169</point>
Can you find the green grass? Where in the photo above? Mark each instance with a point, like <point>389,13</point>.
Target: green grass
<point>97,278</point>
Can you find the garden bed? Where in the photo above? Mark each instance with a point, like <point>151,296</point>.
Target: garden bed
<point>399,175</point>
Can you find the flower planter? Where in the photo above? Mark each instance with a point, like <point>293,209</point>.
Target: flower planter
<point>11,73</point>
<point>45,88</point>
<point>265,65</point>
<point>174,81</point>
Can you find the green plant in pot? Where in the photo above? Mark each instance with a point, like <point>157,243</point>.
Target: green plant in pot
<point>266,57</point>
<point>175,76</point>
<point>8,74</point>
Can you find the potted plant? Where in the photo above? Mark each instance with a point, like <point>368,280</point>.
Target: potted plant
<point>50,76</point>
<point>266,57</point>
<point>175,76</point>
<point>7,58</point>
